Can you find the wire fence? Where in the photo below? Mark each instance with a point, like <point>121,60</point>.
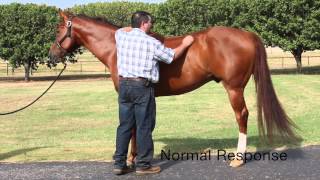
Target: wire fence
<point>96,67</point>
<point>78,68</point>
<point>285,62</point>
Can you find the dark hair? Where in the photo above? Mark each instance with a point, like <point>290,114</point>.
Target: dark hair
<point>139,17</point>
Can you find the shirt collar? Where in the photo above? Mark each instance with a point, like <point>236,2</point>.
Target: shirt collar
<point>138,29</point>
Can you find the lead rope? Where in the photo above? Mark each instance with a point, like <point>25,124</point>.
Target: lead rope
<point>12,112</point>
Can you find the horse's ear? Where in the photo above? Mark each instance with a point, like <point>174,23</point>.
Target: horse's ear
<point>63,14</point>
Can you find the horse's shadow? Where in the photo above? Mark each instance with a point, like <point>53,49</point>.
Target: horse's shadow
<point>179,145</point>
<point>7,155</point>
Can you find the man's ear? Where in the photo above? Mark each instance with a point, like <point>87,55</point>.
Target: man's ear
<point>143,22</point>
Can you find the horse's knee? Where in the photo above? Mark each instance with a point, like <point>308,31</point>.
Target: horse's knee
<point>244,116</point>
<point>245,113</point>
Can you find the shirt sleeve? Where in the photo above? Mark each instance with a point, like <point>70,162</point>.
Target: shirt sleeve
<point>118,32</point>
<point>163,53</point>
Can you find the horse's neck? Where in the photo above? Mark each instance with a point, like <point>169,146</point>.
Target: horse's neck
<point>99,40</point>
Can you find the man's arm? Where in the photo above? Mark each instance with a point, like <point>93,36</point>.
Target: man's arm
<point>178,51</point>
<point>167,55</point>
<point>186,42</point>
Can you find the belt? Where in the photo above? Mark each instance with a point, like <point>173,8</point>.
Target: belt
<point>132,78</point>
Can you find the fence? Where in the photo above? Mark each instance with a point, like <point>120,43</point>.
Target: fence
<point>96,67</point>
<point>79,68</point>
<point>286,62</point>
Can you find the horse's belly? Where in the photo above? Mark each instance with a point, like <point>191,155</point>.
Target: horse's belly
<point>178,86</point>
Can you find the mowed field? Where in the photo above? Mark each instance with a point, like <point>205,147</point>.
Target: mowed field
<point>77,120</point>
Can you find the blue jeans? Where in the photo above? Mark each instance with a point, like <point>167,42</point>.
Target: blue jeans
<point>137,107</point>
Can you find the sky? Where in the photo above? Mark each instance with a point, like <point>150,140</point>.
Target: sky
<point>63,4</point>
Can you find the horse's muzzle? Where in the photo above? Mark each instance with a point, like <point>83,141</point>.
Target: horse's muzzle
<point>53,59</point>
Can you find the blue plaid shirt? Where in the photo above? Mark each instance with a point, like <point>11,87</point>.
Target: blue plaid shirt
<point>138,54</point>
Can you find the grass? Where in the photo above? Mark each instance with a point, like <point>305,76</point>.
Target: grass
<point>77,120</point>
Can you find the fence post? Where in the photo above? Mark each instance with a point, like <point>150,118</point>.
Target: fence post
<point>308,61</point>
<point>7,69</point>
<point>282,58</point>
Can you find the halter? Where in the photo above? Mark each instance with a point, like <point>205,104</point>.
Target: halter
<point>67,35</point>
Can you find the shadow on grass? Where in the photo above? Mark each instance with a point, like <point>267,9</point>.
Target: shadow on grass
<point>7,155</point>
<point>305,70</point>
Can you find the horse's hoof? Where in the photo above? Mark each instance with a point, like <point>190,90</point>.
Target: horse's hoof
<point>131,164</point>
<point>236,163</point>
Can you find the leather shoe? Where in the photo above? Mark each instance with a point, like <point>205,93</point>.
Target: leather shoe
<point>150,170</point>
<point>120,171</point>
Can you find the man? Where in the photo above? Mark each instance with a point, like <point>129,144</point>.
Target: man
<point>138,55</point>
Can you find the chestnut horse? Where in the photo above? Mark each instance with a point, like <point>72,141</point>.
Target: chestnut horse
<point>221,54</point>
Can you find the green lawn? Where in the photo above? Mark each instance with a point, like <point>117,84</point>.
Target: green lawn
<point>77,120</point>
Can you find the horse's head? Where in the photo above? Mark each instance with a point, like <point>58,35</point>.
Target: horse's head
<point>65,39</point>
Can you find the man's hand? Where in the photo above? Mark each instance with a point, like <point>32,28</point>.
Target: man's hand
<point>187,41</point>
<point>127,29</point>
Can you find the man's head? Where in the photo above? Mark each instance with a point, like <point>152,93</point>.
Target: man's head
<point>142,20</point>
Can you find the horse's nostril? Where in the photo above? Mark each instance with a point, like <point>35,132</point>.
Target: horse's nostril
<point>52,57</point>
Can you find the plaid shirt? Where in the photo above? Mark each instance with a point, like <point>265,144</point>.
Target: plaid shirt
<point>138,54</point>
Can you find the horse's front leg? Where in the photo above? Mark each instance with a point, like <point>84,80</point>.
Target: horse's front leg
<point>133,151</point>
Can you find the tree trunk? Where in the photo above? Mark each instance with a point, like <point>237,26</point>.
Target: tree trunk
<point>298,61</point>
<point>297,56</point>
<point>27,70</point>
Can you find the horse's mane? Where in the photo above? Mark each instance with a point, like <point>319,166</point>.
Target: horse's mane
<point>98,19</point>
<point>106,21</point>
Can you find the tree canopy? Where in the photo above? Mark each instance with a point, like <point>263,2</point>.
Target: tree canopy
<point>119,13</point>
<point>292,25</point>
<point>178,17</point>
<point>26,33</point>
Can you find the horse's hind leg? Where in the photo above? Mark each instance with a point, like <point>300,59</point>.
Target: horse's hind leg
<point>241,112</point>
<point>133,149</point>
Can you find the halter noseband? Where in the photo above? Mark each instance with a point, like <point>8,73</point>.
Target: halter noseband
<point>67,35</point>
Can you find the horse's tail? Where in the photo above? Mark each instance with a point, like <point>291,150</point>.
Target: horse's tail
<point>272,119</point>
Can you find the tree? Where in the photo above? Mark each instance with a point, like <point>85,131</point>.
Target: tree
<point>26,33</point>
<point>292,25</point>
<point>118,13</point>
<point>178,17</point>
